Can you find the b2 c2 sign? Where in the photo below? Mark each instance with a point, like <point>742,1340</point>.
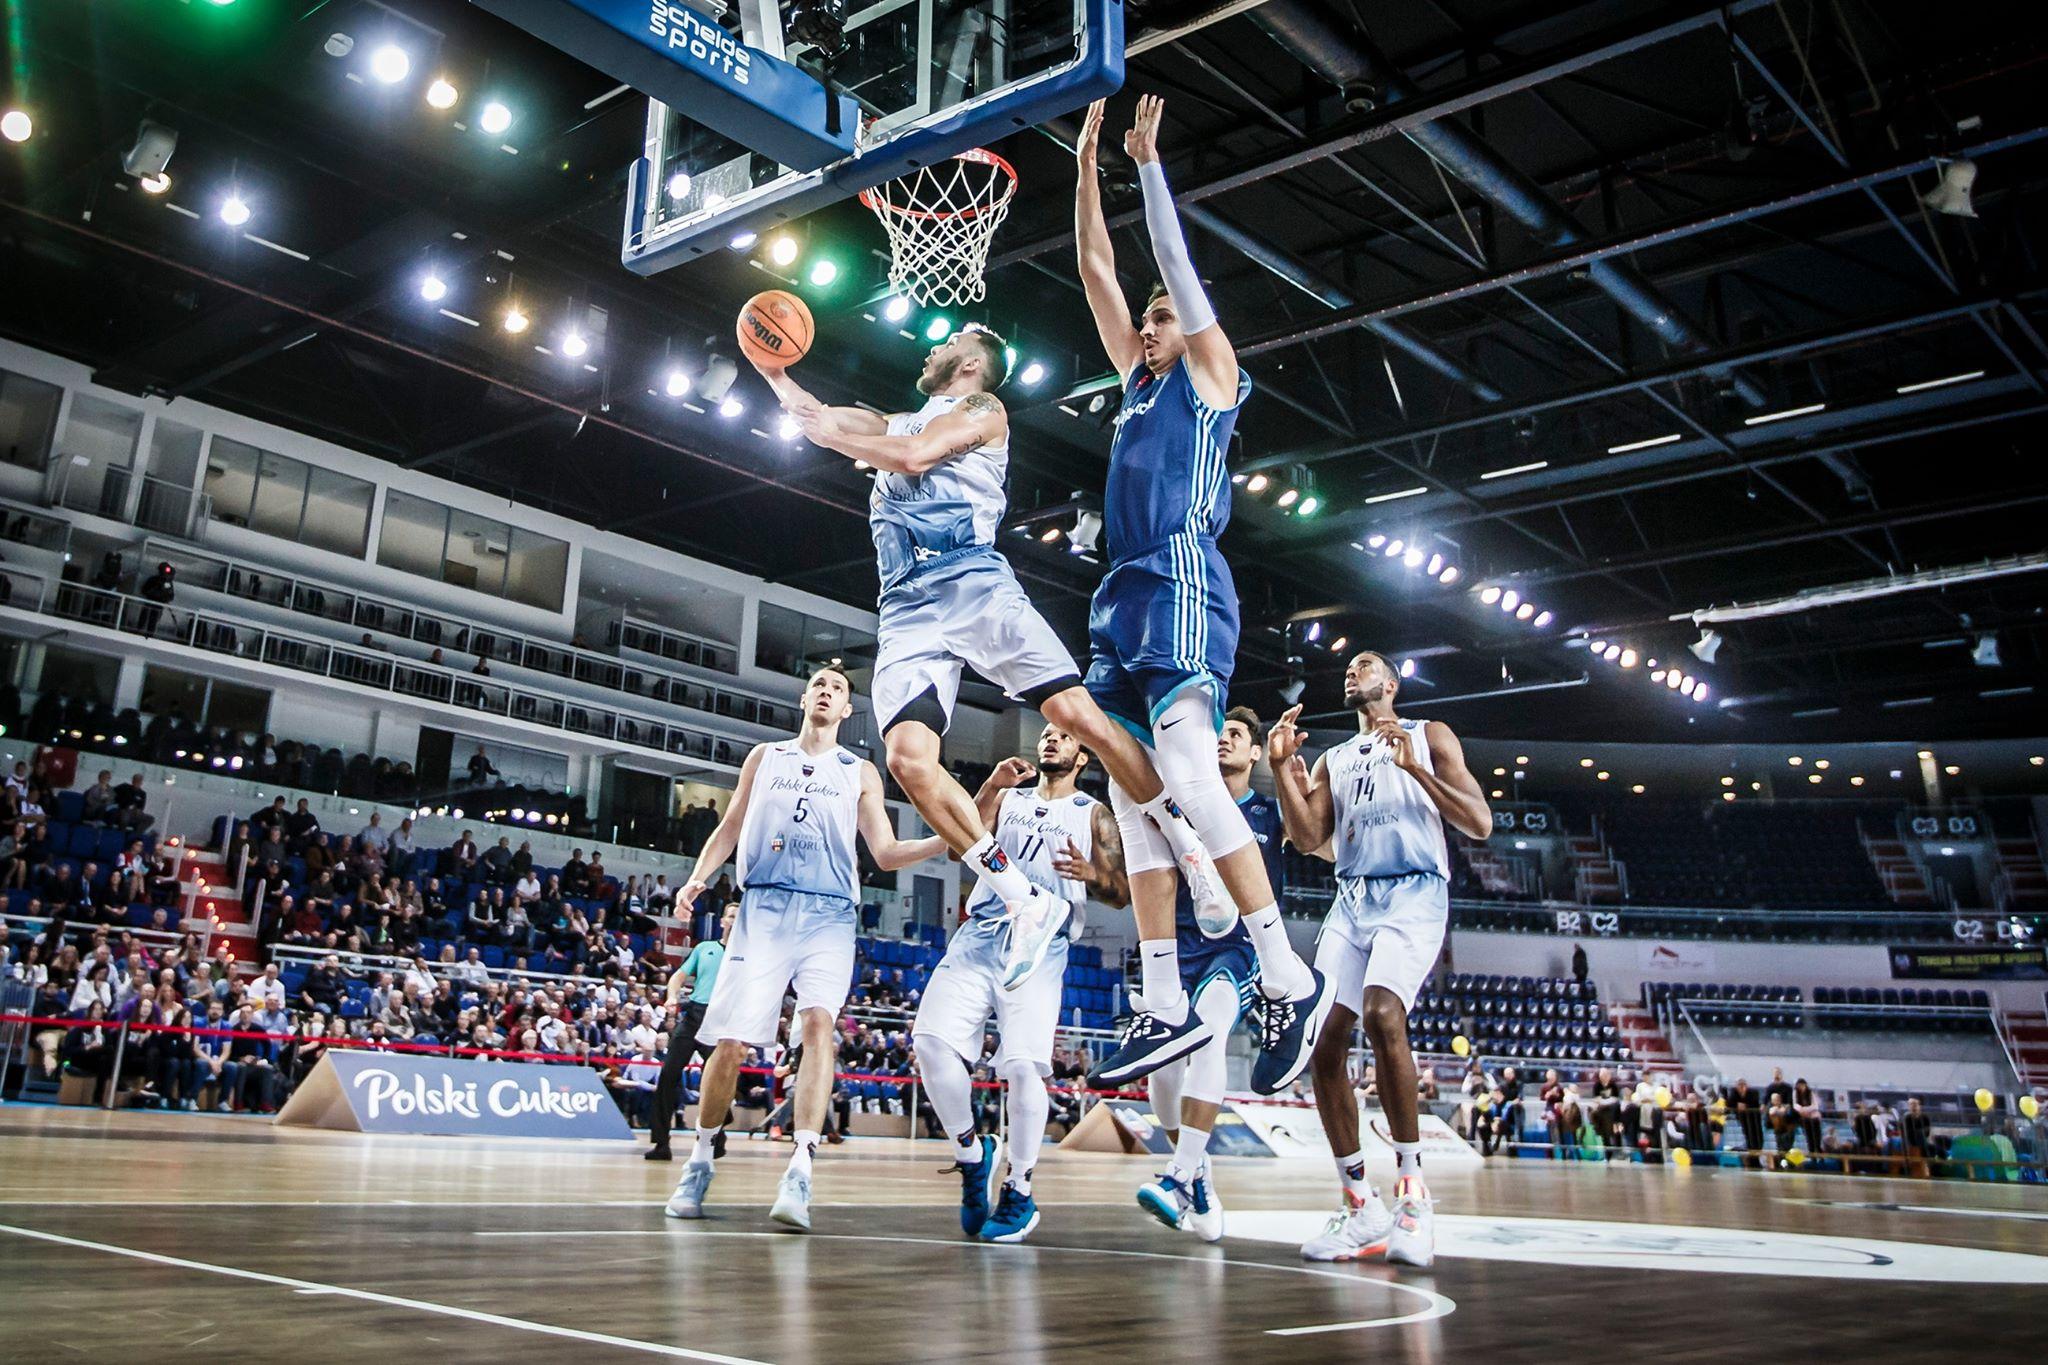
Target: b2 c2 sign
<point>409,1093</point>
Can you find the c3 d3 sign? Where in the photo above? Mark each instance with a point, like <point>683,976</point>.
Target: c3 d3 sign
<point>390,1092</point>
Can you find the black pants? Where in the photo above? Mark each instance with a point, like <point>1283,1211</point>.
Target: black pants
<point>682,1046</point>
<point>1752,1128</point>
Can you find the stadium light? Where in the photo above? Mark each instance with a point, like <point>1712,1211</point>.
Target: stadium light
<point>823,273</point>
<point>1489,595</point>
<point>782,251</point>
<point>1448,576</point>
<point>433,288</point>
<point>441,94</point>
<point>390,64</point>
<point>1034,372</point>
<point>1257,484</point>
<point>677,384</point>
<point>743,241</point>
<point>234,210</point>
<point>16,125</point>
<point>495,119</point>
<point>939,328</point>
<point>896,309</point>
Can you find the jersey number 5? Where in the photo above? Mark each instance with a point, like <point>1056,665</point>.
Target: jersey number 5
<point>803,809</point>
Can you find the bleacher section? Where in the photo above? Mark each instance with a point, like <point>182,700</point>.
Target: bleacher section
<point>1794,855</point>
<point>74,843</point>
<point>1867,1008</point>
<point>1534,1018</point>
<point>1089,1001</point>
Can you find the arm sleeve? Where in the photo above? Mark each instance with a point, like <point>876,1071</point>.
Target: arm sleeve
<point>1170,250</point>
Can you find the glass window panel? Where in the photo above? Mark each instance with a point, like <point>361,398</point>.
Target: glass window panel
<point>238,707</point>
<point>231,479</point>
<point>779,643</point>
<point>174,452</point>
<point>413,534</point>
<point>476,554</point>
<point>280,496</point>
<point>173,692</point>
<point>28,419</point>
<point>337,512</point>
<point>78,674</point>
<point>537,571</point>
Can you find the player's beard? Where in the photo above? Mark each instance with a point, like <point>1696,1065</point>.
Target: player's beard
<point>936,377</point>
<point>1057,767</point>
<point>1359,701</point>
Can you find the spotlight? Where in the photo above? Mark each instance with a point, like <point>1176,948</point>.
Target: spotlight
<point>1407,668</point>
<point>731,407</point>
<point>235,210</point>
<point>1287,498</point>
<point>390,64</point>
<point>1603,775</point>
<point>16,125</point>
<point>155,184</point>
<point>1543,618</point>
<point>1707,646</point>
<point>154,144</point>
<point>896,309</point>
<point>495,119</point>
<point>1337,645</point>
<point>515,321</point>
<point>1525,611</point>
<point>743,241</point>
<point>1291,690</point>
<point>1672,680</point>
<point>338,45</point>
<point>823,273</point>
<point>441,95</point>
<point>1611,653</point>
<point>1258,484</point>
<point>1489,595</point>
<point>782,250</point>
<point>1510,599</point>
<point>1375,540</point>
<point>1952,195</point>
<point>939,328</point>
<point>789,428</point>
<point>677,384</point>
<point>1984,653</point>
<point>574,346</point>
<point>1657,675</point>
<point>1315,632</point>
<point>1310,505</point>
<point>1699,692</point>
<point>1049,535</point>
<point>1034,372</point>
<point>1436,564</point>
<point>1686,684</point>
<point>1448,576</point>
<point>1628,658</point>
<point>1412,559</point>
<point>679,185</point>
<point>1394,548</point>
<point>433,288</point>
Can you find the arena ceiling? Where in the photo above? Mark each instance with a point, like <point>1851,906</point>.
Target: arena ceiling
<point>1632,310</point>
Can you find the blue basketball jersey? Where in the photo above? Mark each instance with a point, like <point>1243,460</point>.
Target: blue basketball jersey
<point>1168,488</point>
<point>802,816</point>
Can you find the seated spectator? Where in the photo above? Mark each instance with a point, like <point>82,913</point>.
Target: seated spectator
<point>99,800</point>
<point>89,1051</point>
<point>575,875</point>
<point>132,803</point>
<point>95,987</point>
<point>526,890</point>
<point>300,826</point>
<point>419,977</point>
<point>483,921</point>
<point>460,860</point>
<point>324,987</point>
<point>214,1057</point>
<point>402,847</point>
<point>522,859</point>
<point>498,861</point>
<point>271,818</point>
<point>267,990</point>
<point>374,835</point>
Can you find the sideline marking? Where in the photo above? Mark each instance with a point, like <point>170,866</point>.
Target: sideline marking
<point>2017,1215</point>
<point>1435,1304</point>
<point>392,1300</point>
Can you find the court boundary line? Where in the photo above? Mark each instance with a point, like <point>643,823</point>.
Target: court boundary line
<point>388,1300</point>
<point>1436,1305</point>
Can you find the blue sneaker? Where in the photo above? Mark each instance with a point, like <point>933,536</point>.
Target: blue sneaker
<point>978,1184</point>
<point>1015,1216</point>
<point>1149,1042</point>
<point>1185,1205</point>
<point>1287,1035</point>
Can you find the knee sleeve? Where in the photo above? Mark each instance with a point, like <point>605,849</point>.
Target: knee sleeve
<point>1029,1107</point>
<point>947,1083</point>
<point>1184,750</point>
<point>1208,1068</point>
<point>1164,1087</point>
<point>1145,848</point>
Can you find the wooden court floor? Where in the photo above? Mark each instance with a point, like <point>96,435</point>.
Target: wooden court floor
<point>224,1239</point>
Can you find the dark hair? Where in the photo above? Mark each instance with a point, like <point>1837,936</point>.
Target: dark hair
<point>996,355</point>
<point>1245,716</point>
<point>1157,292</point>
<point>828,668</point>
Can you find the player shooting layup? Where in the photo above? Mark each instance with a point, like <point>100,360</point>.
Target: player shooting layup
<point>949,600</point>
<point>1385,797</point>
<point>792,820</point>
<point>1163,627</point>
<point>1066,842</point>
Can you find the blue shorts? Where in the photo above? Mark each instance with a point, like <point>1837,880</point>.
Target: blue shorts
<point>1158,626</point>
<point>1203,958</point>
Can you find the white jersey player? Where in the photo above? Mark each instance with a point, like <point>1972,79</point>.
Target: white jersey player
<point>1384,798</point>
<point>792,820</point>
<point>1066,842</point>
<point>949,600</point>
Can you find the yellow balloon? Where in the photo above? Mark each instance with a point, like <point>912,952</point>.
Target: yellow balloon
<point>1985,1100</point>
<point>2030,1106</point>
<point>1462,1045</point>
<point>1662,1095</point>
<point>1795,1158</point>
<point>1680,1157</point>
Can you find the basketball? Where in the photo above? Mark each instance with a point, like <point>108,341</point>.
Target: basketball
<point>775,328</point>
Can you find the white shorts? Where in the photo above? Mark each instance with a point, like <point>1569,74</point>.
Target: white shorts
<point>781,938</point>
<point>966,988</point>
<point>1383,931</point>
<point>967,612</point>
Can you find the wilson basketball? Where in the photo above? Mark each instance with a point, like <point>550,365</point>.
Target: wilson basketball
<point>775,328</point>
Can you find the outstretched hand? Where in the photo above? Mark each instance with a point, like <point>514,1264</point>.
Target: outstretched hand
<point>1141,144</point>
<point>1283,741</point>
<point>1013,772</point>
<point>1091,134</point>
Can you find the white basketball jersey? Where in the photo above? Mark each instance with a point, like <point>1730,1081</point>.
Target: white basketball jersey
<point>1034,831</point>
<point>958,504</point>
<point>801,819</point>
<point>1386,824</point>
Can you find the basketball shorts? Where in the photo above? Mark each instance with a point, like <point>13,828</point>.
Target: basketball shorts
<point>966,989</point>
<point>964,610</point>
<point>782,938</point>
<point>1203,960</point>
<point>1159,626</point>
<point>1383,931</point>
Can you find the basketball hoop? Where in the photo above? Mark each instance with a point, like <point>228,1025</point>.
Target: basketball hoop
<point>940,220</point>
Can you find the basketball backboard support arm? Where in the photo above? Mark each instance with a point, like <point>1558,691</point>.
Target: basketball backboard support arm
<point>957,76</point>
<point>671,52</point>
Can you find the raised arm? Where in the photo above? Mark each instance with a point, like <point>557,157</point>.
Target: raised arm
<point>1098,257</point>
<point>988,802</point>
<point>979,420</point>
<point>726,837</point>
<point>1103,873</point>
<point>1212,361</point>
<point>1306,811</point>
<point>878,831</point>
<point>1451,785</point>
<point>803,405</point>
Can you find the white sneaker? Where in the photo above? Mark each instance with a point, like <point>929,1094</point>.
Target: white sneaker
<point>793,1202</point>
<point>1413,1239</point>
<point>688,1200</point>
<point>1034,923</point>
<point>1205,1216</point>
<point>1352,1233</point>
<point>1184,1203</point>
<point>1215,912</point>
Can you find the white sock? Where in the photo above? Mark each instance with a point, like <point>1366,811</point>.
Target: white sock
<point>806,1147</point>
<point>1282,973</point>
<point>1407,1159</point>
<point>1190,1154</point>
<point>1159,961</point>
<point>967,1147</point>
<point>1351,1171</point>
<point>998,870</point>
<point>1020,1181</point>
<point>700,1155</point>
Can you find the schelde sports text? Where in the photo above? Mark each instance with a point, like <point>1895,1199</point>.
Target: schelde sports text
<point>507,1098</point>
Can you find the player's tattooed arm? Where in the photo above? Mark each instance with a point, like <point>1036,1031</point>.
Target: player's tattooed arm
<point>1103,874</point>
<point>978,420</point>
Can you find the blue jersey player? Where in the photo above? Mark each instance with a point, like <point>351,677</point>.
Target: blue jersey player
<point>1220,976</point>
<point>1163,626</point>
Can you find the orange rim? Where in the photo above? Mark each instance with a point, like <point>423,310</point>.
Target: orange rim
<point>977,154</point>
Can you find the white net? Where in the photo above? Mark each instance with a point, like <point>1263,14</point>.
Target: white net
<point>940,220</point>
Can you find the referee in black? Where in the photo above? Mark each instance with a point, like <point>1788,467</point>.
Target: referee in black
<point>699,977</point>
